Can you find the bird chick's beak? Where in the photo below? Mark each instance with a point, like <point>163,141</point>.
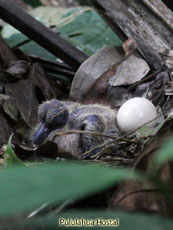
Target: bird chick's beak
<point>41,134</point>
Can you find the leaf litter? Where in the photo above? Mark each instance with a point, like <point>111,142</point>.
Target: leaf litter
<point>114,81</point>
<point>25,85</point>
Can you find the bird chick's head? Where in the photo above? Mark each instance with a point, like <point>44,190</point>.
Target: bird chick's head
<point>52,115</point>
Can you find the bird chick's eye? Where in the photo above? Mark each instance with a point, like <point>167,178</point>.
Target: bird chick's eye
<point>54,105</point>
<point>82,127</point>
<point>57,118</point>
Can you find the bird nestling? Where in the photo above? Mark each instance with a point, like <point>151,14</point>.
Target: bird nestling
<point>57,116</point>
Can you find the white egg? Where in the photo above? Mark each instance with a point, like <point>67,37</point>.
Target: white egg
<point>134,113</point>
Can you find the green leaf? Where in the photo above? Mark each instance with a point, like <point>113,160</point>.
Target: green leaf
<point>81,26</point>
<point>24,188</point>
<point>10,158</point>
<point>89,32</point>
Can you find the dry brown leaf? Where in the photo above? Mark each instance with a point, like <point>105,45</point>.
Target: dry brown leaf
<point>93,74</point>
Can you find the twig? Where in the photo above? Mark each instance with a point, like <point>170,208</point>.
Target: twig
<point>86,154</point>
<point>93,133</point>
